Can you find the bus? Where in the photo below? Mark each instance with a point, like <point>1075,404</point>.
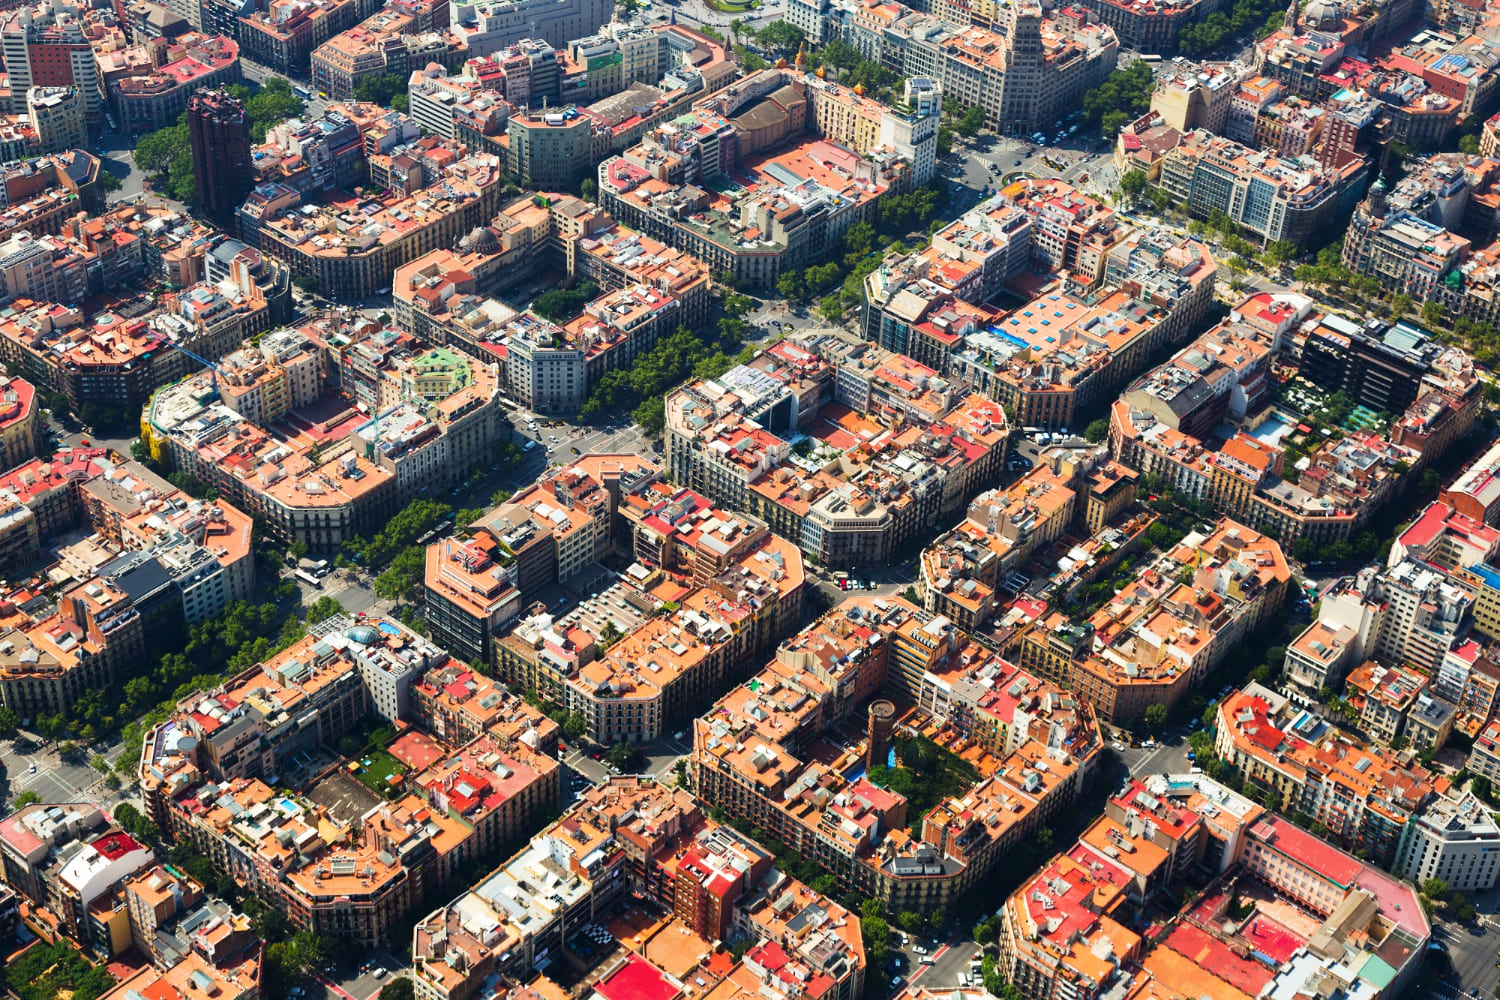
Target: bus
<point>302,92</point>
<point>308,579</point>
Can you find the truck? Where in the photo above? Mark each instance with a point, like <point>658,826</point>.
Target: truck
<point>317,567</point>
<point>308,579</point>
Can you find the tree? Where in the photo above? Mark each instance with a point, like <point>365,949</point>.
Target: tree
<point>1434,314</point>
<point>109,183</point>
<point>26,798</point>
<point>789,285</point>
<point>877,935</point>
<point>610,634</point>
<point>380,89</point>
<point>1124,96</point>
<point>831,308</point>
<point>576,727</point>
<point>1435,889</point>
<point>970,122</point>
<point>749,61</point>
<point>1469,144</point>
<point>1133,184</point>
<point>306,283</point>
<point>782,36</point>
<point>562,304</point>
<point>588,189</point>
<point>155,153</point>
<point>9,721</point>
<point>623,756</point>
<point>1096,431</point>
<point>399,582</point>
<point>910,920</point>
<point>1282,252</point>
<point>324,608</point>
<point>944,140</point>
<point>397,989</point>
<point>736,305</point>
<point>273,104</point>
<point>136,823</point>
<point>1156,716</point>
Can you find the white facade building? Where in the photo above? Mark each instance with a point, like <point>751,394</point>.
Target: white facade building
<point>1454,840</point>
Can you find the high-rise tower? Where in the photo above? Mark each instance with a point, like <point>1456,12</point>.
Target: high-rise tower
<point>220,138</point>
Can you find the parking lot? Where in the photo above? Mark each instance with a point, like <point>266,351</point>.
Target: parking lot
<point>935,964</point>
<point>344,980</point>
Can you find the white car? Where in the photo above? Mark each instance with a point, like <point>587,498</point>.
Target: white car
<point>378,972</point>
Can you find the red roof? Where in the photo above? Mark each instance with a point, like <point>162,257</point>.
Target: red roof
<point>1313,852</point>
<point>116,845</point>
<point>1427,527</point>
<point>637,979</point>
<point>1214,956</point>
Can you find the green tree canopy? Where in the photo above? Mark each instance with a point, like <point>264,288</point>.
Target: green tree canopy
<point>387,90</point>
<point>971,121</point>
<point>782,36</point>
<point>562,304</point>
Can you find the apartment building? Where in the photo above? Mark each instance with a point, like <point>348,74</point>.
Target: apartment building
<point>150,96</point>
<point>1455,840</point>
<point>630,674</point>
<point>1157,639</point>
<point>1365,795</point>
<point>1197,95</point>
<point>486,26</point>
<point>47,45</point>
<point>64,857</point>
<point>175,923</point>
<point>760,125</point>
<point>393,40</point>
<point>302,858</point>
<point>422,416</point>
<point>750,756</point>
<point>1382,367</point>
<point>459,706</point>
<point>573,872</point>
<point>496,789</point>
<point>1067,931</point>
<point>257,723</point>
<point>19,409</point>
<point>283,35</point>
<point>1057,932</point>
<point>391,231</point>
<point>727,440</point>
<point>1062,352</point>
<point>961,570</point>
<point>1211,173</point>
